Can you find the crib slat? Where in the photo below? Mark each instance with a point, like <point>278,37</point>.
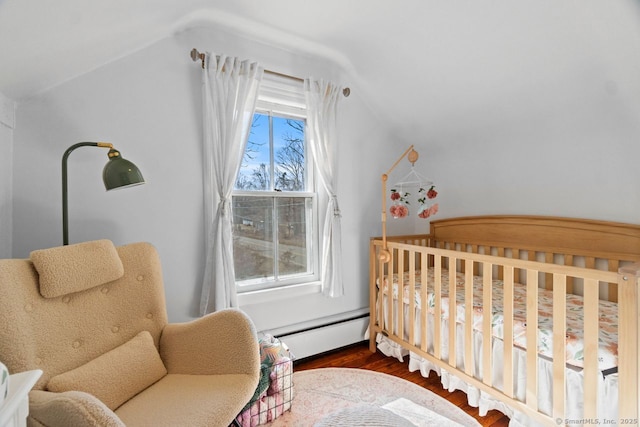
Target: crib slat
<point>532,256</point>
<point>437,291</point>
<point>424,309</point>
<point>508,332</point>
<point>532,340</point>
<point>548,278</point>
<point>412,296</point>
<point>515,254</point>
<point>390,268</point>
<point>476,266</point>
<point>487,332</point>
<point>468,315</point>
<point>500,268</point>
<point>452,311</point>
<point>559,340</point>
<point>381,275</point>
<point>591,328</point>
<point>628,343</point>
<point>568,260</point>
<point>399,327</point>
<point>612,290</point>
<point>373,312</point>
<point>590,262</point>
<point>447,261</point>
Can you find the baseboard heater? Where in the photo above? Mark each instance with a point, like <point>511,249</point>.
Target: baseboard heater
<point>312,340</point>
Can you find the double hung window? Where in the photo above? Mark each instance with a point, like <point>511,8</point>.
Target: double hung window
<point>274,200</point>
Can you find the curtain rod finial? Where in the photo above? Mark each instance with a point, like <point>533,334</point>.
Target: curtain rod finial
<point>195,55</point>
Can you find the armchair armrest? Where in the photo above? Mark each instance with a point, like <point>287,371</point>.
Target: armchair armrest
<point>224,342</point>
<point>71,408</point>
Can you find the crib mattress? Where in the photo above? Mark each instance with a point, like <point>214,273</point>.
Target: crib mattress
<point>608,312</point>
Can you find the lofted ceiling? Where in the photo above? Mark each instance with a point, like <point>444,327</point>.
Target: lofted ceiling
<point>433,61</point>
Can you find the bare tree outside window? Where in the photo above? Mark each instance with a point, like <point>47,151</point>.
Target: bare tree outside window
<point>247,180</point>
<point>260,178</point>
<point>290,158</point>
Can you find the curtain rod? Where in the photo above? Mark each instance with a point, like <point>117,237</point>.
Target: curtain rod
<point>195,56</point>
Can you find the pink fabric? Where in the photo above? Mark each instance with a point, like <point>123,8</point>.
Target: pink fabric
<point>276,399</point>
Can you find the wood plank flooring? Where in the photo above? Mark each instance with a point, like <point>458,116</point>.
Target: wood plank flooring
<point>359,356</point>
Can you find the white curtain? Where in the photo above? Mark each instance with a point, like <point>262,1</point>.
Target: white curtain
<point>229,93</point>
<point>322,101</point>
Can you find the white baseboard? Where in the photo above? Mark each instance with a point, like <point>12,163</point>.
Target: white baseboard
<point>325,338</point>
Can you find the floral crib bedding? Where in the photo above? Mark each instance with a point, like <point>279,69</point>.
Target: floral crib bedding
<point>608,312</point>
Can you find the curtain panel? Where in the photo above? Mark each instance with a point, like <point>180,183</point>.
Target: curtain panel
<point>229,93</point>
<point>322,105</point>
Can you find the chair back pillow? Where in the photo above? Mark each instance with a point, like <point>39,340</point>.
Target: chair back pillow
<point>73,268</point>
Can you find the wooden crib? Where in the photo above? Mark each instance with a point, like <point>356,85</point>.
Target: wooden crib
<point>559,257</point>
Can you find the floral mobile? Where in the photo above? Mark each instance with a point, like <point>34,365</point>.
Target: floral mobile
<point>400,198</point>
<point>400,207</point>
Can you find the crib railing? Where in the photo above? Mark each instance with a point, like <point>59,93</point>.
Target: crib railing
<point>412,253</point>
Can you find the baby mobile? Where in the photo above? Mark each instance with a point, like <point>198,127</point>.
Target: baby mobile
<point>400,209</point>
<point>401,194</point>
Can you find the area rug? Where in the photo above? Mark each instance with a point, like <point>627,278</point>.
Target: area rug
<point>345,396</point>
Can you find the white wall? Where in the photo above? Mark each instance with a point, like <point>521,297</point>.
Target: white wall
<point>532,108</point>
<point>565,146</point>
<point>148,106</point>
<point>7,123</point>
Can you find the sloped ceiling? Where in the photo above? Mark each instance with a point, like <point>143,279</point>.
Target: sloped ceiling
<point>415,61</point>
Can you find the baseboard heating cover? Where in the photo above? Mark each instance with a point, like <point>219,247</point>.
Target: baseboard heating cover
<point>322,338</point>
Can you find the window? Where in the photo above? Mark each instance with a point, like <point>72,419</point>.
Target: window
<point>274,202</point>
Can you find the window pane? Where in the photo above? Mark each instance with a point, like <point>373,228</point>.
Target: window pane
<point>253,249</point>
<point>294,214</point>
<point>288,146</point>
<point>255,170</point>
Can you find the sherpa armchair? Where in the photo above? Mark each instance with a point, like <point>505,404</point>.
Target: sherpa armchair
<point>92,317</point>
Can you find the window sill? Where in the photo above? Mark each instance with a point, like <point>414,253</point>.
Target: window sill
<point>278,294</point>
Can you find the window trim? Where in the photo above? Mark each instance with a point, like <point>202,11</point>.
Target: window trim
<point>268,295</point>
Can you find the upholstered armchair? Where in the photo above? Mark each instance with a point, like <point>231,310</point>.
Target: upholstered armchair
<point>92,317</point>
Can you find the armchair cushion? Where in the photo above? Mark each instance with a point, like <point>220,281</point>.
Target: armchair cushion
<point>117,375</point>
<point>74,268</point>
<point>189,400</point>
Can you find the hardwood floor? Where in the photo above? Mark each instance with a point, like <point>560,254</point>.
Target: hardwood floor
<point>359,356</point>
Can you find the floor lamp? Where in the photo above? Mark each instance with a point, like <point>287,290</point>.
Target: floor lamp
<point>117,173</point>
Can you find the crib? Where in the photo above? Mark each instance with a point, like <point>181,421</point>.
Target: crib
<point>461,301</point>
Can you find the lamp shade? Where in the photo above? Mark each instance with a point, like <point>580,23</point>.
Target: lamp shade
<point>120,173</point>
